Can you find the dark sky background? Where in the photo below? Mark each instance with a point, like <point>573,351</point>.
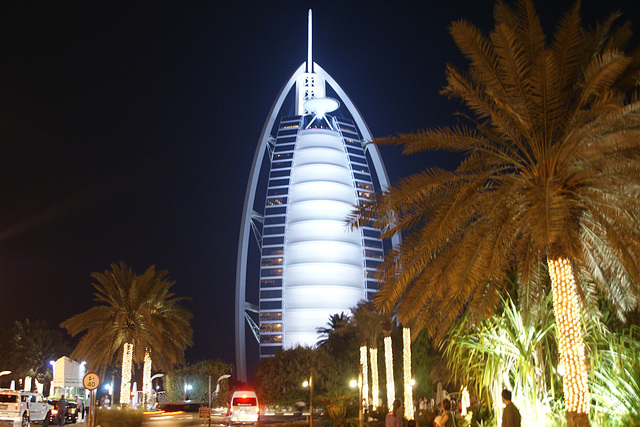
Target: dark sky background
<point>127,130</point>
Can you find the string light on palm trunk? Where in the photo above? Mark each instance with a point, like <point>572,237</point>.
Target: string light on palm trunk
<point>570,340</point>
<point>388,360</point>
<point>365,369</point>
<point>125,384</point>
<point>408,382</point>
<point>146,376</point>
<point>375,390</point>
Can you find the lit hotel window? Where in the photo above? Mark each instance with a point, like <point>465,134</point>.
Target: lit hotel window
<point>270,339</point>
<point>266,316</point>
<point>271,327</point>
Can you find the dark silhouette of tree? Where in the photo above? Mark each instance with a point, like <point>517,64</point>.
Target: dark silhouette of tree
<point>33,345</point>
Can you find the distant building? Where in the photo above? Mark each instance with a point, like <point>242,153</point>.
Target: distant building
<point>316,168</point>
<point>67,377</point>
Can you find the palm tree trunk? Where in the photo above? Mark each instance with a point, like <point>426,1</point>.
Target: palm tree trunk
<point>375,382</point>
<point>388,363</point>
<point>125,383</point>
<point>146,377</point>
<point>365,376</point>
<point>406,362</point>
<point>570,341</point>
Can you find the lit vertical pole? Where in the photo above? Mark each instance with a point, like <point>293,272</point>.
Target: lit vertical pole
<point>570,340</point>
<point>146,377</point>
<point>375,381</point>
<point>364,370</point>
<point>125,384</point>
<point>388,360</point>
<point>406,359</point>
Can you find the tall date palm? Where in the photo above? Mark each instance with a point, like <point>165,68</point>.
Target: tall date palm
<point>548,184</point>
<point>138,320</point>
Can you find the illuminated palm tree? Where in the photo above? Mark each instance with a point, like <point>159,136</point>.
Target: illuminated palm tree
<point>137,316</point>
<point>387,330</point>
<point>548,185</point>
<point>368,326</point>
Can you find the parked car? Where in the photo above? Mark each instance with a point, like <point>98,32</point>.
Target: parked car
<point>244,408</point>
<point>23,406</point>
<point>71,413</point>
<point>174,414</point>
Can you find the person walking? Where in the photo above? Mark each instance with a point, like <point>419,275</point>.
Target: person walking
<point>511,414</point>
<point>62,411</point>
<point>394,418</point>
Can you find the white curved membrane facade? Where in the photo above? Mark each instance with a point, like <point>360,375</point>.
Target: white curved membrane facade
<point>311,266</point>
<point>324,270</point>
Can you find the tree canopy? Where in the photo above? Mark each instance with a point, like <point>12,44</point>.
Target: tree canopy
<point>136,309</point>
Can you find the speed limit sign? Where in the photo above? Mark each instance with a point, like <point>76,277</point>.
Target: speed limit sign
<point>91,381</point>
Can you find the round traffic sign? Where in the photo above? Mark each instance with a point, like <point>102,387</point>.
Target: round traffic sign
<point>91,381</point>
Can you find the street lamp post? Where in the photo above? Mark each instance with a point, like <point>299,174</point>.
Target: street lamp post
<point>353,383</point>
<point>310,385</point>
<point>215,393</point>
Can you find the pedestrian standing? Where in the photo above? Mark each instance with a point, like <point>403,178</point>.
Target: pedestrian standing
<point>510,415</point>
<point>62,410</point>
<point>80,408</point>
<point>394,418</point>
<point>447,419</point>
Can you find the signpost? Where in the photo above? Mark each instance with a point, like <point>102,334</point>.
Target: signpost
<point>91,381</point>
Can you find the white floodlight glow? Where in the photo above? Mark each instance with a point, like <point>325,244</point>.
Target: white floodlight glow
<point>324,274</point>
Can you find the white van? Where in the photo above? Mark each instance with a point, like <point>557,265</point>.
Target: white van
<point>244,408</point>
<point>24,407</point>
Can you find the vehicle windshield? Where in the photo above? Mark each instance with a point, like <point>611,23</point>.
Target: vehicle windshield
<point>8,398</point>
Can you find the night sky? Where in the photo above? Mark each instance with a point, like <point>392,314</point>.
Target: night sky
<point>127,130</point>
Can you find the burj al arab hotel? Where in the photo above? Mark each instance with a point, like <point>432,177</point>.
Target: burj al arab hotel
<point>309,171</point>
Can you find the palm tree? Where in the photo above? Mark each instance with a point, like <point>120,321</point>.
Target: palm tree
<point>368,326</point>
<point>33,345</point>
<point>137,315</point>
<point>336,326</point>
<point>548,185</point>
<point>387,330</point>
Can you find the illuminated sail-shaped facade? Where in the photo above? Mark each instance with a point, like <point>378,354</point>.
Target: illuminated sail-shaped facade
<point>316,169</point>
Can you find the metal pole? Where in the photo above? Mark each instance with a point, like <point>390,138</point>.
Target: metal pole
<point>360,414</point>
<point>311,399</point>
<point>92,409</point>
